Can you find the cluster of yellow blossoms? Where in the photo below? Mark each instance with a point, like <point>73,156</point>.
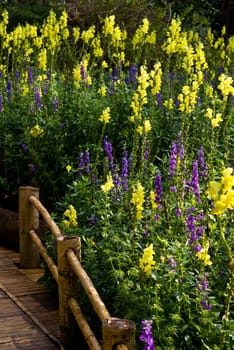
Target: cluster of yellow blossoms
<point>71,217</point>
<point>138,199</point>
<point>146,262</point>
<point>108,185</point>
<point>36,131</point>
<point>222,192</point>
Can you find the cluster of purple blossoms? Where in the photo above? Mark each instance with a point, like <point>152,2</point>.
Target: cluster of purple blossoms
<point>30,76</point>
<point>9,90</point>
<point>37,99</point>
<point>203,289</point>
<point>107,147</point>
<point>0,103</point>
<point>84,163</point>
<point>158,188</point>
<point>125,171</point>
<point>201,162</point>
<point>131,79</point>
<point>146,335</point>
<point>177,151</point>
<point>193,227</point>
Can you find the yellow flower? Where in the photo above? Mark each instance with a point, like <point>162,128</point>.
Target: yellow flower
<point>217,120</point>
<point>204,256</point>
<point>71,216</point>
<point>147,126</point>
<point>69,168</point>
<point>152,198</point>
<point>138,199</point>
<point>105,116</point>
<point>147,262</point>
<point>225,85</point>
<point>36,131</point>
<point>104,64</point>
<point>108,185</point>
<point>102,90</point>
<point>213,189</point>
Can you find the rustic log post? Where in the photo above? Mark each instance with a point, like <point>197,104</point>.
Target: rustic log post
<point>28,219</point>
<point>117,331</point>
<point>68,287</point>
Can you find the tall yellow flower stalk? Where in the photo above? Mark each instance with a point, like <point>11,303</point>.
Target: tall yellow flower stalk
<point>138,199</point>
<point>146,262</point>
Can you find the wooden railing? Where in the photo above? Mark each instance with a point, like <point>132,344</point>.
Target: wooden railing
<point>118,334</point>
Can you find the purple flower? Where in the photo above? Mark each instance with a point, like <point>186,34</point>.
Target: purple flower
<point>82,72</point>
<point>62,125</point>
<point>159,99</point>
<point>17,75</point>
<point>197,248</point>
<point>173,189</point>
<point>172,262</point>
<point>205,305</point>
<point>81,163</point>
<point>37,98</point>
<point>195,181</point>
<point>178,212</point>
<point>115,74</point>
<point>124,171</point>
<point>107,147</point>
<point>9,90</point>
<point>24,147</point>
<point>146,154</point>
<point>146,335</point>
<point>158,187</point>
<point>201,162</point>
<point>156,217</point>
<point>30,75</point>
<point>87,161</point>
<point>55,104</point>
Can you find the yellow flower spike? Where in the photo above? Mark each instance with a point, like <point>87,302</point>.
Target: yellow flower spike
<point>138,199</point>
<point>227,180</point>
<point>140,129</point>
<point>146,262</point>
<point>147,126</point>
<point>204,256</point>
<point>213,190</point>
<point>71,216</point>
<point>217,120</point>
<point>108,185</point>
<point>209,113</point>
<point>76,34</point>
<point>226,85</point>
<point>105,116</point>
<point>152,199</point>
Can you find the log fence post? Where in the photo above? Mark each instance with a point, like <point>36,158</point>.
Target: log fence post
<point>117,332</point>
<point>28,220</point>
<point>67,287</point>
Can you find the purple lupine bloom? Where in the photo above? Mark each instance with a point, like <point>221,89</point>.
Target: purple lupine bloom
<point>172,160</point>
<point>30,75</point>
<point>178,212</point>
<point>124,171</point>
<point>107,147</point>
<point>81,163</point>
<point>205,305</point>
<point>0,103</point>
<point>201,162</point>
<point>82,72</point>
<point>159,99</point>
<point>172,262</point>
<point>55,104</point>
<point>190,224</point>
<point>146,335</point>
<point>146,154</point>
<point>115,74</point>
<point>24,147</point>
<point>87,161</point>
<point>37,98</point>
<point>173,189</point>
<point>197,248</point>
<point>17,75</point>
<point>195,181</point>
<point>62,125</point>
<point>9,90</point>
<point>158,187</point>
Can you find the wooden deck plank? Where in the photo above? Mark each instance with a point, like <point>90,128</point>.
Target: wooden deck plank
<point>17,329</point>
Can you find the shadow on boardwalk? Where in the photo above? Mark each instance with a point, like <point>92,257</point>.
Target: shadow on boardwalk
<point>29,314</point>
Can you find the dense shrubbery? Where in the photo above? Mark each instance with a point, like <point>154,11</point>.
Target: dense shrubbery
<point>131,133</point>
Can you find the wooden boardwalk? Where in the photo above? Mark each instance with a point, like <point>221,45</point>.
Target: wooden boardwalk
<point>28,312</point>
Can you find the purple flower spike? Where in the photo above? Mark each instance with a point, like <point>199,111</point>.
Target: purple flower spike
<point>172,160</point>
<point>158,188</point>
<point>195,181</point>
<point>146,335</point>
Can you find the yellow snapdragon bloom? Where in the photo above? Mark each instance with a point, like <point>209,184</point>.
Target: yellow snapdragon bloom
<point>105,116</point>
<point>138,199</point>
<point>226,85</point>
<point>71,217</point>
<point>204,256</point>
<point>147,262</point>
<point>108,185</point>
<point>36,131</point>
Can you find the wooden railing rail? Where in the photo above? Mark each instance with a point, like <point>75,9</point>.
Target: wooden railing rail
<point>118,334</point>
